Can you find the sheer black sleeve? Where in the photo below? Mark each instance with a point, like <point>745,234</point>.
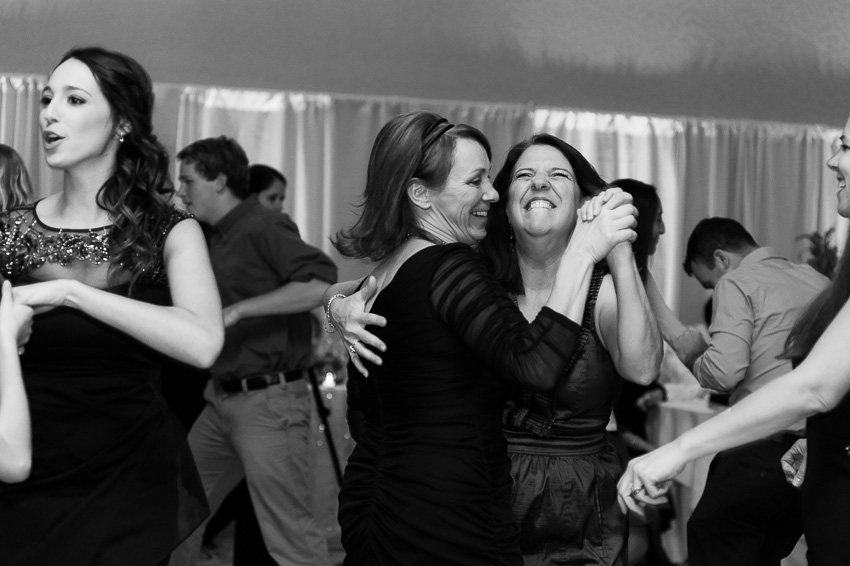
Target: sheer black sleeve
<point>470,300</point>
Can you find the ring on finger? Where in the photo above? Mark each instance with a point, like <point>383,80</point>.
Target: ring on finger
<point>351,347</point>
<point>638,490</point>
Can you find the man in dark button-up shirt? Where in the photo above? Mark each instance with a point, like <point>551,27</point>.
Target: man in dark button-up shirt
<point>257,417</point>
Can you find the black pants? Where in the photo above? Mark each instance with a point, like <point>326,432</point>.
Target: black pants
<point>748,514</point>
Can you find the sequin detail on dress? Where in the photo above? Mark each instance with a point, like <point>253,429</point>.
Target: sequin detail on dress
<point>27,244</point>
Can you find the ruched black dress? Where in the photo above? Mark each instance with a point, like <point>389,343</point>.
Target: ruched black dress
<point>428,482</point>
<point>112,478</point>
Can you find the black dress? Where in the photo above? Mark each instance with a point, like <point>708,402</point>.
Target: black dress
<point>428,482</point>
<point>564,468</point>
<point>826,490</point>
<point>112,478</point>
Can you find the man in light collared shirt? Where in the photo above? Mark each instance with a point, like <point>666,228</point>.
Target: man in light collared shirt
<point>748,514</point>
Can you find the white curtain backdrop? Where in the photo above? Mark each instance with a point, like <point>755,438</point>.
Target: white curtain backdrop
<point>772,177</point>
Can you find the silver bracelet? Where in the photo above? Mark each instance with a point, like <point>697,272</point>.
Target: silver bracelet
<point>329,326</point>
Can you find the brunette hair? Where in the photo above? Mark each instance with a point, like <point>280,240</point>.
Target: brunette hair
<point>712,234</point>
<point>15,185</point>
<point>418,145</point>
<point>261,177</point>
<point>820,312</point>
<point>136,193</point>
<point>645,198</point>
<point>496,248</point>
<point>219,156</point>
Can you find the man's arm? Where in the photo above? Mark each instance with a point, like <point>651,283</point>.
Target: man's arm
<point>724,364</point>
<point>294,297</point>
<point>308,272</point>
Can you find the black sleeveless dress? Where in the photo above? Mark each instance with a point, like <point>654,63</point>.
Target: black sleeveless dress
<point>564,468</point>
<point>113,481</point>
<point>826,489</point>
<point>428,482</point>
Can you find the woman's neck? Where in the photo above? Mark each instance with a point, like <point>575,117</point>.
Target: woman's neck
<point>76,206</point>
<point>538,261</point>
<point>438,234</point>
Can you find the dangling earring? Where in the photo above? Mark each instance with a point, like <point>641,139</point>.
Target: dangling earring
<point>120,137</point>
<point>511,228</point>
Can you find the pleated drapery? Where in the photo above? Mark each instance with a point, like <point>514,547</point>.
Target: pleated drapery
<point>770,176</point>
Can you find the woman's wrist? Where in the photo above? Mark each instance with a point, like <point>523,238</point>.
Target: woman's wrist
<point>72,293</point>
<point>330,326</point>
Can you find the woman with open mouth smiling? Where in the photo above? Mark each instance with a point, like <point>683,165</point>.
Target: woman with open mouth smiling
<point>564,472</point>
<point>428,482</point>
<point>564,469</point>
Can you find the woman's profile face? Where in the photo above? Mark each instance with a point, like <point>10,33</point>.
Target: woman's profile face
<point>462,206</point>
<point>840,163</point>
<point>272,196</point>
<point>76,119</point>
<point>543,196</point>
<point>658,229</point>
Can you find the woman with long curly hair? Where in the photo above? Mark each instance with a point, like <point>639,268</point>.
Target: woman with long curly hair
<point>117,277</point>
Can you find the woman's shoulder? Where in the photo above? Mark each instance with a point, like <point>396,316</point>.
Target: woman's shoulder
<point>170,217</point>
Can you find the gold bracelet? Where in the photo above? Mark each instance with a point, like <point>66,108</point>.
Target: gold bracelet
<point>329,326</point>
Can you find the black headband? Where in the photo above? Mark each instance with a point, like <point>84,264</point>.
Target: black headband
<point>435,132</point>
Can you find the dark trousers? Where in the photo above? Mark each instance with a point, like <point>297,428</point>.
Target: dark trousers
<point>748,514</point>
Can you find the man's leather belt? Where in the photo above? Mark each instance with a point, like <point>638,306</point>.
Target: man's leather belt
<point>258,381</point>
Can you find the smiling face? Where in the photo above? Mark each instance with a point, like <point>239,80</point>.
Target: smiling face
<point>840,163</point>
<point>460,209</point>
<point>543,196</point>
<point>76,120</point>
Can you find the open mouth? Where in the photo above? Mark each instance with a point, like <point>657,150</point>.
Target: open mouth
<point>49,138</point>
<point>480,213</point>
<point>540,203</point>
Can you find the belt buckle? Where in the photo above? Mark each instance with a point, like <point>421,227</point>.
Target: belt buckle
<point>244,383</point>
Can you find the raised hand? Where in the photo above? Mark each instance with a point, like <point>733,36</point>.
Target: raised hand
<point>350,319</point>
<point>604,221</point>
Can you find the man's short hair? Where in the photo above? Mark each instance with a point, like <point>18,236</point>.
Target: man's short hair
<point>222,155</point>
<point>715,234</point>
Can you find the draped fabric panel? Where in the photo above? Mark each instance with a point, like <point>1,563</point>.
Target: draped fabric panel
<point>19,108</point>
<point>322,144</point>
<point>772,177</point>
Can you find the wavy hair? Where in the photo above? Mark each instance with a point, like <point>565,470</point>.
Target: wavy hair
<point>496,248</point>
<point>645,198</point>
<point>15,185</point>
<point>418,145</point>
<point>136,194</point>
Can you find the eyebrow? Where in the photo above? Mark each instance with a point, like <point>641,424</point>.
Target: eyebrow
<point>67,88</point>
<point>556,168</point>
